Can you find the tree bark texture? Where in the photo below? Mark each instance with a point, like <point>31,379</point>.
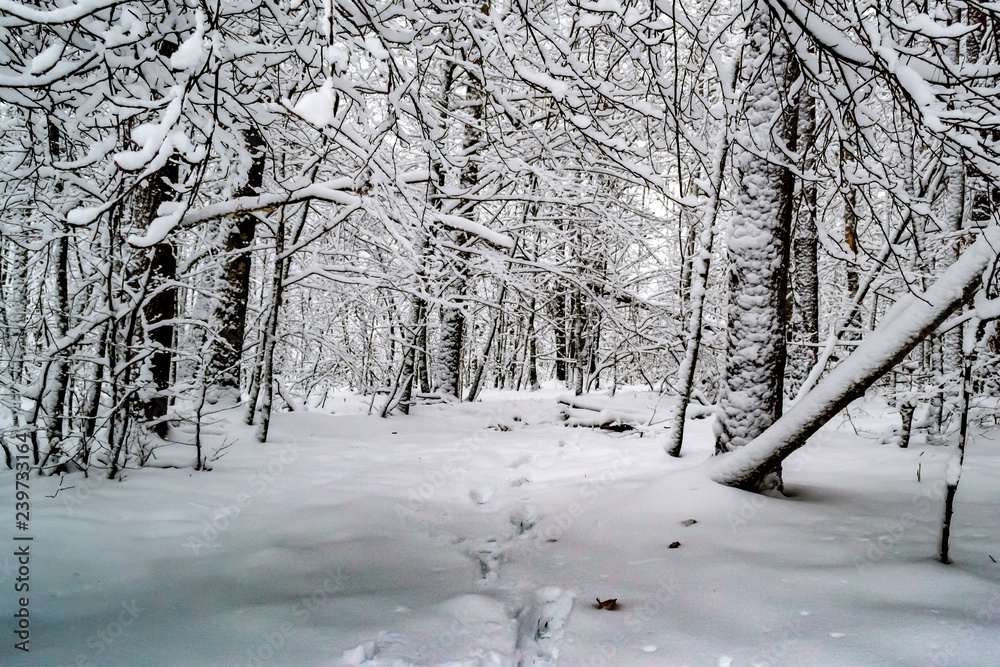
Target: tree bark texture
<point>758,248</point>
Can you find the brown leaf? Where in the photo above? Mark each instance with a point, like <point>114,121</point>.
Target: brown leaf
<point>674,545</point>
<point>607,604</point>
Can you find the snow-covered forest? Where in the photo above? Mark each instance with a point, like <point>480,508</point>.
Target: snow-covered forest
<point>517,253</point>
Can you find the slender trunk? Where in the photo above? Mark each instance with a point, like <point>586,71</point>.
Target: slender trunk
<point>579,351</point>
<point>271,331</point>
<point>805,257</point>
<point>92,404</point>
<point>408,372</point>
<point>953,469</point>
<point>58,381</point>
<point>560,335</point>
<point>532,352</point>
<point>477,381</point>
<point>702,264</point>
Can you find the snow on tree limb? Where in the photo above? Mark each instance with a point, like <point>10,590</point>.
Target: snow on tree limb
<point>476,229</point>
<point>911,320</point>
<point>73,12</point>
<point>337,191</point>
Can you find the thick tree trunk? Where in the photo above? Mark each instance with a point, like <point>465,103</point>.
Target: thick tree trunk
<point>758,249</point>
<point>910,321</point>
<point>233,284</point>
<point>453,317</point>
<point>450,347</point>
<point>162,306</point>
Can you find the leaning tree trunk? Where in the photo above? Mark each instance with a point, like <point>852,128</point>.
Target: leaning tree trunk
<point>408,373</point>
<point>909,322</point>
<point>758,249</point>
<point>477,381</point>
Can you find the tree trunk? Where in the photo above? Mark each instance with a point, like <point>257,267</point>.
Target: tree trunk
<point>162,306</point>
<point>477,381</point>
<point>758,249</point>
<point>560,335</point>
<point>450,347</point>
<point>532,352</point>
<point>805,256</point>
<point>910,321</point>
<point>702,265</point>
<point>953,469</point>
<point>58,379</point>
<point>409,369</point>
<point>233,284</point>
<point>271,330</point>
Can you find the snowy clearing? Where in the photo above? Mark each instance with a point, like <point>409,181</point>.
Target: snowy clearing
<point>482,534</point>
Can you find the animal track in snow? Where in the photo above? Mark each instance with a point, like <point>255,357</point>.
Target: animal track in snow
<point>482,494</point>
<point>489,556</point>
<point>540,627</point>
<point>524,519</point>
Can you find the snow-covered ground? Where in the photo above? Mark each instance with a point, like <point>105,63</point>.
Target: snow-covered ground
<point>481,534</point>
